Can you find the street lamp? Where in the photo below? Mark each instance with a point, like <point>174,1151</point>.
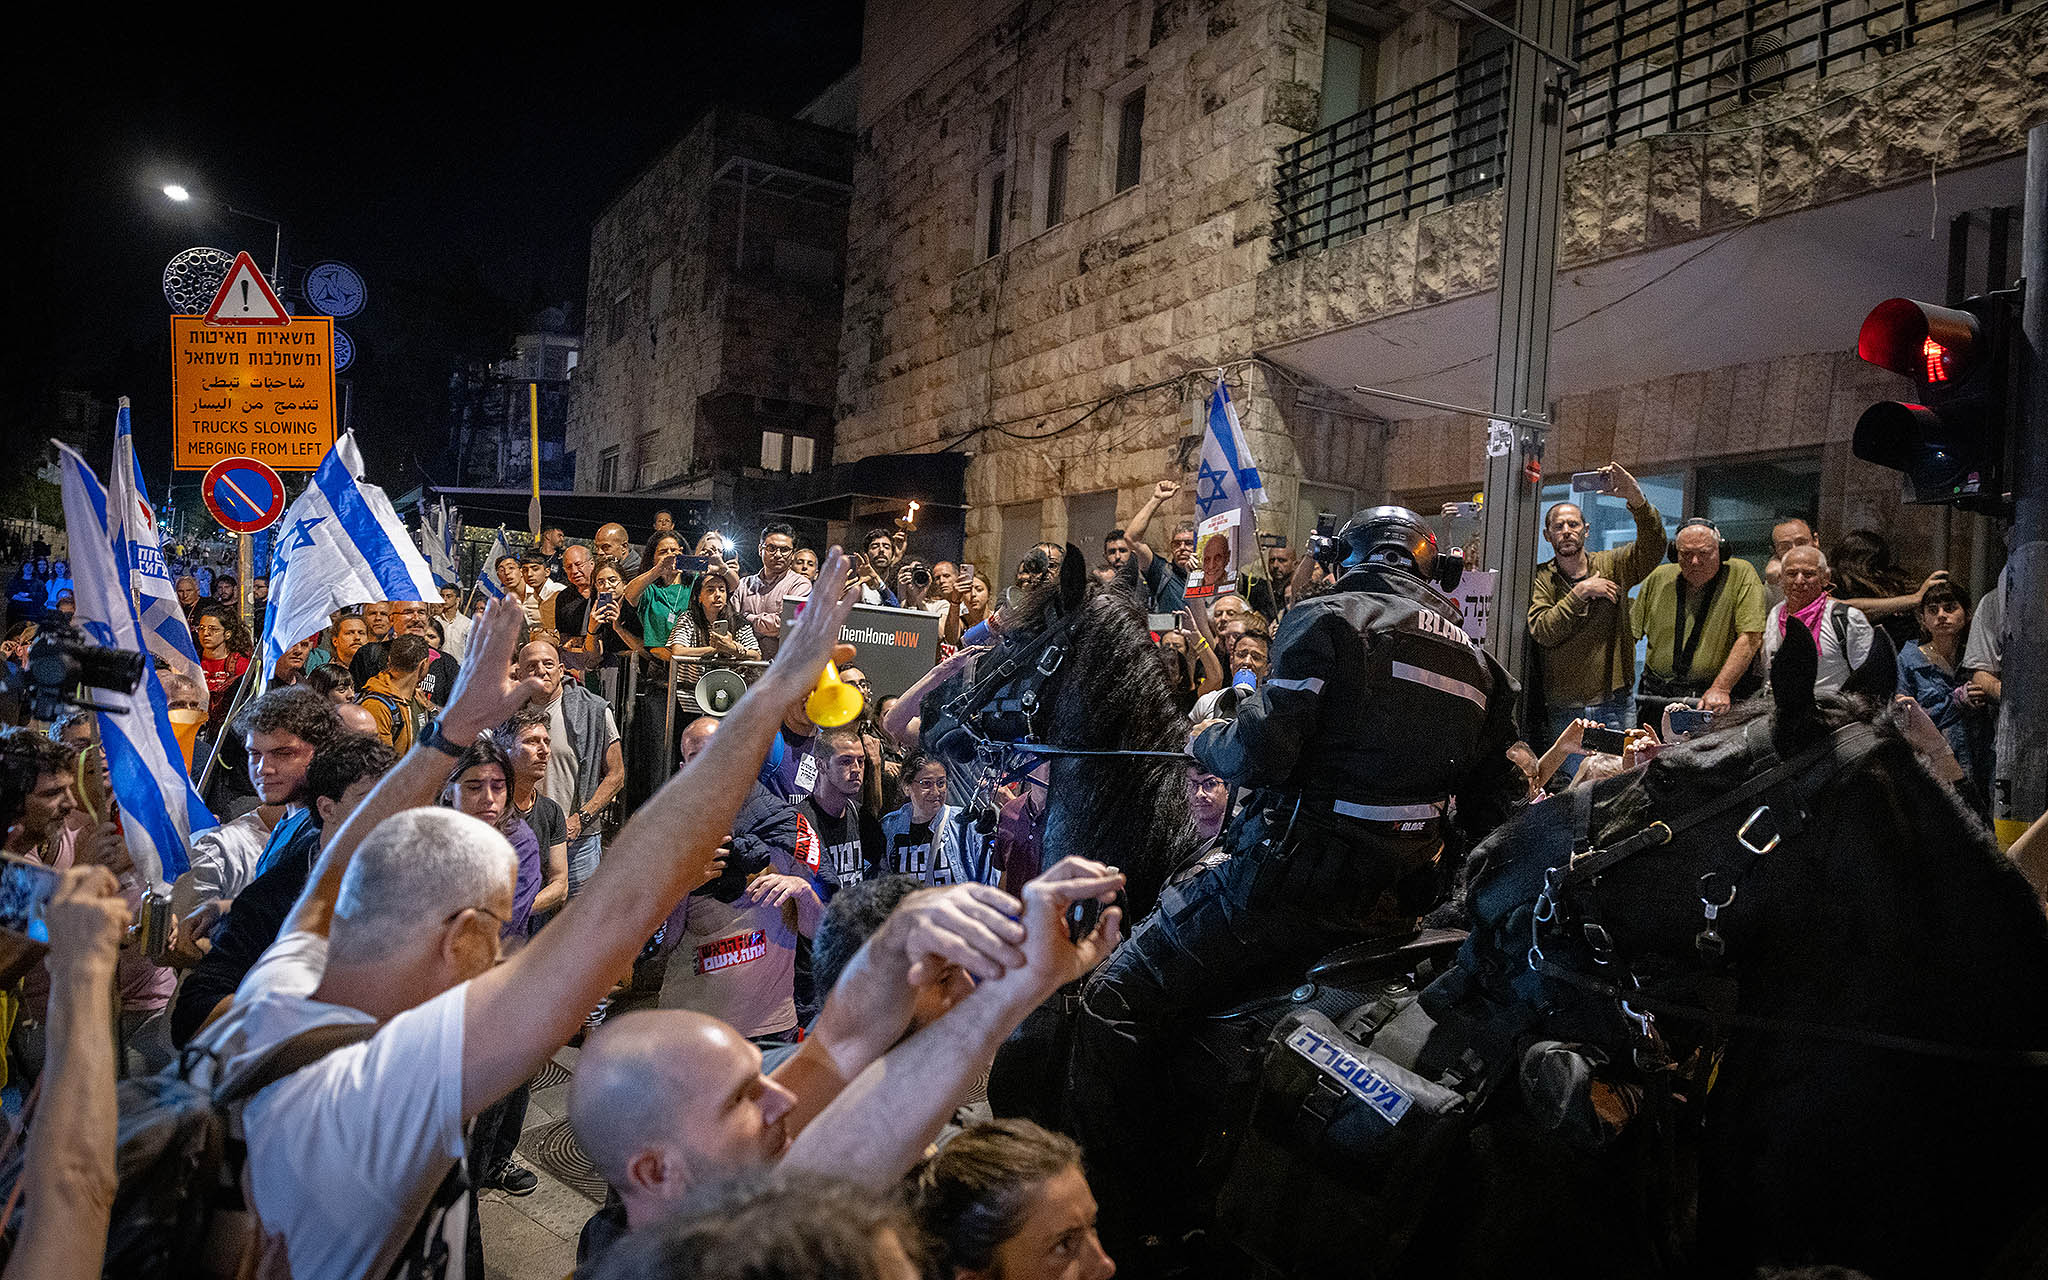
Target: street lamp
<point>177,194</point>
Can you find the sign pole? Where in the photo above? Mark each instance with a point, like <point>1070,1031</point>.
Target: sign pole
<point>245,563</point>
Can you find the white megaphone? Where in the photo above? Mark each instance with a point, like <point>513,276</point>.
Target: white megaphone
<point>717,689</point>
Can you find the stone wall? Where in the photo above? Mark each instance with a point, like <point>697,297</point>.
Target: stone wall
<point>1852,133</point>
<point>714,298</point>
<point>1153,287</point>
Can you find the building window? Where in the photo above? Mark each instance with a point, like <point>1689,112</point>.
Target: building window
<point>1350,68</point>
<point>615,321</point>
<point>608,471</point>
<point>992,233</point>
<point>645,458</point>
<point>802,455</point>
<point>1130,140</point>
<point>771,451</point>
<point>1056,181</point>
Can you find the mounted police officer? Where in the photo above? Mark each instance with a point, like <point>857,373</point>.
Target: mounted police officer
<point>1378,711</point>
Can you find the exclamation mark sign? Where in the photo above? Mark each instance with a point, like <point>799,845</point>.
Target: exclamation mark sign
<point>245,297</point>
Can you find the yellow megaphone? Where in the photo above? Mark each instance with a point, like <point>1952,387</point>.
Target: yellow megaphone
<point>834,702</point>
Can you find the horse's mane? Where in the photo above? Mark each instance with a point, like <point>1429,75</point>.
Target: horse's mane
<point>1111,692</point>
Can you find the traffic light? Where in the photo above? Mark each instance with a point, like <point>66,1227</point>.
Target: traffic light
<point>1953,445</point>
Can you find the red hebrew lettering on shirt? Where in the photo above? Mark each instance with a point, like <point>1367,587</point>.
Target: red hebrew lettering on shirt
<point>807,844</point>
<point>727,952</point>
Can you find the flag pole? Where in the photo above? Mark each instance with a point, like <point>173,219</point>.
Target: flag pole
<point>533,455</point>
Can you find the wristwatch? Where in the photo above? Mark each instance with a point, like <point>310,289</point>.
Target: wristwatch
<point>434,740</point>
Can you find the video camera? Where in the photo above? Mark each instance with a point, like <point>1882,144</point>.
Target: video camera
<point>1324,546</point>
<point>63,665</point>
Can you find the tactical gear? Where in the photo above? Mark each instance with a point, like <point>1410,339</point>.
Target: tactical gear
<point>1397,538</point>
<point>1377,702</point>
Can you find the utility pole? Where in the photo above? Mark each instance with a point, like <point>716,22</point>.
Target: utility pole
<point>2020,790</point>
<point>1528,283</point>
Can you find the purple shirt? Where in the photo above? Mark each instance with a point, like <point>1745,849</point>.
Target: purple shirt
<point>527,846</point>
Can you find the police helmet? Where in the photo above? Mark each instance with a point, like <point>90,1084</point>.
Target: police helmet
<point>1397,538</point>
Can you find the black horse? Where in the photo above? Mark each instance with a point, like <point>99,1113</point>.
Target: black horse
<point>1774,999</point>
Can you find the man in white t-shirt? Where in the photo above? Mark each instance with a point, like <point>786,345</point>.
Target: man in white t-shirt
<point>399,926</point>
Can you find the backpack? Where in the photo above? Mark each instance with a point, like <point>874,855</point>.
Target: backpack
<point>400,714</point>
<point>179,1162</point>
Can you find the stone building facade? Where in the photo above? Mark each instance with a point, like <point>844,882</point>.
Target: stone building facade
<point>713,314</point>
<point>1066,217</point>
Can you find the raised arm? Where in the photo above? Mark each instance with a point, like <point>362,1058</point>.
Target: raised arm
<point>1884,606</point>
<point>654,861</point>
<point>878,1126</point>
<point>903,722</point>
<point>485,696</point>
<point>1135,530</point>
<point>68,1176</point>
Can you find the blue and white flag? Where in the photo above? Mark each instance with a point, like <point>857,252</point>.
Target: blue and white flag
<point>1228,481</point>
<point>137,545</point>
<point>160,808</point>
<point>437,541</point>
<point>487,572</point>
<point>340,544</point>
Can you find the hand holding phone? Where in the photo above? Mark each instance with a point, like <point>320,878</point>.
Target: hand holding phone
<point>1603,741</point>
<point>25,892</point>
<point>1689,720</point>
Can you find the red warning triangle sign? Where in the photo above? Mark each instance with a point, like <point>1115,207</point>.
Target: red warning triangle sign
<point>245,297</point>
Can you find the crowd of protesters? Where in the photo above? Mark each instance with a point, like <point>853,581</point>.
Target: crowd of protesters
<point>456,836</point>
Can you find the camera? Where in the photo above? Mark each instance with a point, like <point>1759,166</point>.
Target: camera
<point>1323,545</point>
<point>63,665</point>
<point>921,577</point>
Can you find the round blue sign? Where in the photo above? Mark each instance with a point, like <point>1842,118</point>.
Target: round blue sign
<point>335,289</point>
<point>243,494</point>
<point>344,349</point>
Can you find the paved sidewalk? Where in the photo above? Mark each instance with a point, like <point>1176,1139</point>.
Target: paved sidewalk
<point>533,1237</point>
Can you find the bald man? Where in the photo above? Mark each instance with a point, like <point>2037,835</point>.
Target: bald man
<point>664,1101</point>
<point>612,541</point>
<point>356,718</point>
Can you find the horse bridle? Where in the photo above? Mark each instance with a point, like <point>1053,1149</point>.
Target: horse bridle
<point>1784,793</point>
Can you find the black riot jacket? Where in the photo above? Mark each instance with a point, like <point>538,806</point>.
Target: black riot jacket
<point>1375,697</point>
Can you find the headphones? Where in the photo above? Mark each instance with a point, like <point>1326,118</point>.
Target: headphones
<point>1697,522</point>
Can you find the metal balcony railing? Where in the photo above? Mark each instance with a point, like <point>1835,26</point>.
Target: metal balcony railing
<point>1646,67</point>
<point>1426,148</point>
<point>1664,66</point>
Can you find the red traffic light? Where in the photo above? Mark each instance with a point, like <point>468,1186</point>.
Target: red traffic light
<point>1919,340</point>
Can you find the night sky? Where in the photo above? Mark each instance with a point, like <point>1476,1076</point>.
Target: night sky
<point>456,167</point>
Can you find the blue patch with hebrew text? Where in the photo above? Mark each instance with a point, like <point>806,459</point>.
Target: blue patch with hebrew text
<point>1335,1061</point>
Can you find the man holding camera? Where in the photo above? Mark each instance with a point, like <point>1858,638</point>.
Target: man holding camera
<point>1578,610</point>
<point>1341,836</point>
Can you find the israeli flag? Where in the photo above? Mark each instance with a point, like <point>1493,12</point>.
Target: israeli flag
<point>437,541</point>
<point>136,544</point>
<point>487,573</point>
<point>160,808</point>
<point>1228,477</point>
<point>340,544</point>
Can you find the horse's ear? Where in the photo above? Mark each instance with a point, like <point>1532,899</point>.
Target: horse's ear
<point>1074,578</point>
<point>1877,677</point>
<point>1793,669</point>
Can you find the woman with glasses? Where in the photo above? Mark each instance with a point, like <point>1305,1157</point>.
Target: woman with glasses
<point>224,650</point>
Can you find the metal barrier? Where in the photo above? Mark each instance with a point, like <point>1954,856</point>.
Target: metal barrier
<point>1426,148</point>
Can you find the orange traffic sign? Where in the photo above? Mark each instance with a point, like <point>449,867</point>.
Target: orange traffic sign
<point>264,393</point>
<point>245,297</point>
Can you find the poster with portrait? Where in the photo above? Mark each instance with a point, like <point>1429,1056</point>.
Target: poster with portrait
<point>1216,554</point>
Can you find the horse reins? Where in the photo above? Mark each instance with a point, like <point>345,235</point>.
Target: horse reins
<point>1848,745</point>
